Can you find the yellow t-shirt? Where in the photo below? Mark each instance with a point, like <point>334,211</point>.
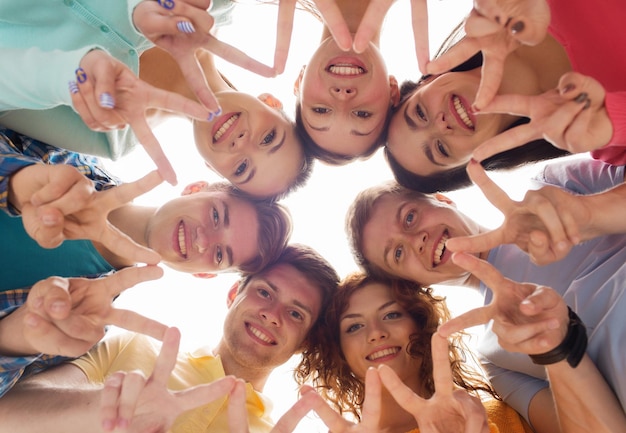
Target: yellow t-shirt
<point>502,418</point>
<point>126,352</point>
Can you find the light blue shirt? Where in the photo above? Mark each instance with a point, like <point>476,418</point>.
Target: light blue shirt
<point>591,279</point>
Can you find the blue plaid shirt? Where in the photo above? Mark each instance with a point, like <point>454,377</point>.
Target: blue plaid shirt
<point>16,152</point>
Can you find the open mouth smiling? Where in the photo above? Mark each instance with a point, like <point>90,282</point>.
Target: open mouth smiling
<point>462,115</point>
<point>383,353</point>
<point>260,335</point>
<point>346,69</point>
<point>182,239</point>
<point>225,126</point>
<point>440,249</point>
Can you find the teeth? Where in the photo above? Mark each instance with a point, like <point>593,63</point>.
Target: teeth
<point>181,239</point>
<point>346,70</point>
<point>225,127</point>
<point>260,335</point>
<point>441,247</point>
<point>382,353</point>
<point>462,112</point>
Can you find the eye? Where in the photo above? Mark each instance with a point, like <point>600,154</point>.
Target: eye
<point>269,138</point>
<point>362,114</point>
<point>393,315</point>
<point>397,254</point>
<point>420,113</point>
<point>216,217</point>
<point>353,328</point>
<point>441,149</point>
<point>241,168</point>
<point>263,293</point>
<point>320,110</point>
<point>410,217</point>
<point>218,255</point>
<point>296,315</point>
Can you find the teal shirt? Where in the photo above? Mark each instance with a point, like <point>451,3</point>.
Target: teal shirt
<point>42,43</point>
<point>24,262</point>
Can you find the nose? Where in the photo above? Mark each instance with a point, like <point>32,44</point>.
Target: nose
<point>419,242</point>
<point>239,141</point>
<point>376,333</point>
<point>343,93</point>
<point>440,123</point>
<point>202,240</point>
<point>270,315</point>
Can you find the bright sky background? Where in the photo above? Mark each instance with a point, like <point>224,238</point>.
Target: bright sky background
<point>198,307</point>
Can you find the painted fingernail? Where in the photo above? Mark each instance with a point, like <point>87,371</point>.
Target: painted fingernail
<point>518,27</point>
<point>568,88</point>
<point>81,75</point>
<point>73,87</point>
<point>214,114</point>
<point>106,100</point>
<point>167,4</point>
<point>185,27</point>
<point>581,97</point>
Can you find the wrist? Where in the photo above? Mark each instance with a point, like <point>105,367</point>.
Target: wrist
<point>572,348</point>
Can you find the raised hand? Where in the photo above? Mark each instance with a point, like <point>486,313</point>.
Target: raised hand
<point>67,316</point>
<point>133,403</point>
<point>447,410</point>
<point>108,95</point>
<point>573,117</point>
<point>181,27</point>
<point>68,207</point>
<point>370,413</point>
<point>546,224</point>
<point>497,28</point>
<point>371,24</point>
<point>527,318</point>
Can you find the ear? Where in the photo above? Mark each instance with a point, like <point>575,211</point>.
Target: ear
<point>270,100</point>
<point>444,199</point>
<point>296,84</point>
<point>232,294</point>
<point>204,275</point>
<point>195,187</point>
<point>394,91</point>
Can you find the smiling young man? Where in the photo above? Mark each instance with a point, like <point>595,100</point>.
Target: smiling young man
<point>403,233</point>
<point>270,316</point>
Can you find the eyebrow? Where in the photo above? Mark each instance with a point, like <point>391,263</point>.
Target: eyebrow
<point>355,315</point>
<point>229,250</point>
<point>352,131</point>
<point>429,154</point>
<point>407,118</point>
<point>271,151</point>
<point>295,301</point>
<point>388,244</point>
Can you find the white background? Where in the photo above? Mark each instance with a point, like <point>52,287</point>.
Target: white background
<point>196,306</point>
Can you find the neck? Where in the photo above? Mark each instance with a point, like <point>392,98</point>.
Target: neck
<point>353,12</point>
<point>256,376</point>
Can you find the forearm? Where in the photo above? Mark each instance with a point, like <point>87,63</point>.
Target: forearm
<point>12,342</point>
<point>607,213</point>
<point>584,401</point>
<point>43,403</point>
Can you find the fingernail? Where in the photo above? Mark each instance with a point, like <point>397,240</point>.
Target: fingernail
<point>122,423</point>
<point>568,88</point>
<point>106,100</point>
<point>167,4</point>
<point>518,27</point>
<point>213,115</point>
<point>73,86</point>
<point>185,27</point>
<point>561,246</point>
<point>57,306</point>
<point>581,97</point>
<point>48,220</point>
<point>31,320</point>
<point>475,109</point>
<point>587,104</point>
<point>81,75</point>
<point>107,425</point>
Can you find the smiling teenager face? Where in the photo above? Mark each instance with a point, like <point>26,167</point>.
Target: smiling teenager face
<point>435,129</point>
<point>344,98</point>
<point>269,319</point>
<point>376,330</point>
<point>405,237</point>
<point>247,142</point>
<point>204,232</point>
